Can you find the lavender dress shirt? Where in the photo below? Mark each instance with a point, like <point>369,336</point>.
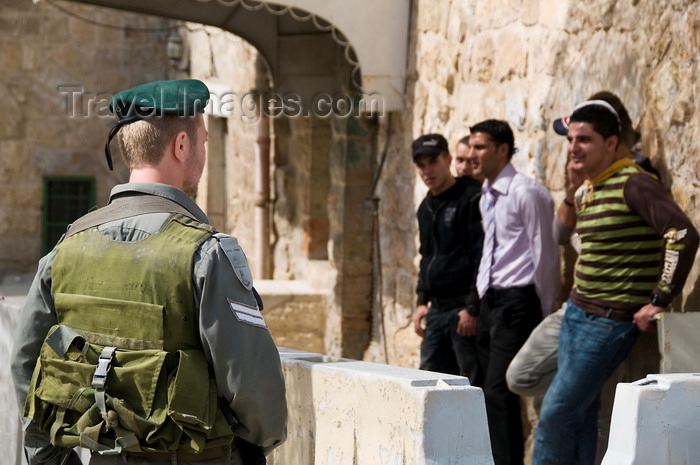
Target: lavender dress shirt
<point>525,250</point>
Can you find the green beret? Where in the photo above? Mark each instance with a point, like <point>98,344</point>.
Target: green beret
<point>181,97</point>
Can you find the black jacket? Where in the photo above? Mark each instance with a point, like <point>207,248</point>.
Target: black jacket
<point>451,237</point>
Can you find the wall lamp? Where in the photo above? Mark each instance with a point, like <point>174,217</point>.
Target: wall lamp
<point>175,50</point>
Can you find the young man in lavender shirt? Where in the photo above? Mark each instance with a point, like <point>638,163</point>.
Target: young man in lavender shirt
<point>518,277</point>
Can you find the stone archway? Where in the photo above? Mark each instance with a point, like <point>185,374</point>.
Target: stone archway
<point>287,32</point>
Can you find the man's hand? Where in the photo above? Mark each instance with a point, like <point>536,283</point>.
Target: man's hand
<point>575,176</point>
<point>644,318</point>
<point>566,214</point>
<point>466,326</point>
<point>418,317</point>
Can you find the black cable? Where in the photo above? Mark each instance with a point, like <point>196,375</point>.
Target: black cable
<point>377,282</point>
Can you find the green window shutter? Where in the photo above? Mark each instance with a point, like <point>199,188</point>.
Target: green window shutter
<point>65,199</point>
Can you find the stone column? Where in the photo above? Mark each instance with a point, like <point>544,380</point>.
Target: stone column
<point>352,168</point>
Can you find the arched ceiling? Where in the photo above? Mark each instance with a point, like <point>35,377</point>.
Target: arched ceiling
<point>303,40</point>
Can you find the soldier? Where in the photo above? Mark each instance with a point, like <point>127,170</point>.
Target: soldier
<point>141,337</point>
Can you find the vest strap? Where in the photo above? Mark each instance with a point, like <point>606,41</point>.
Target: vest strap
<point>138,205</point>
<point>60,414</point>
<point>99,378</point>
<point>88,440</point>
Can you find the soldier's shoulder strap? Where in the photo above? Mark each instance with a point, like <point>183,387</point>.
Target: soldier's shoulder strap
<point>138,205</point>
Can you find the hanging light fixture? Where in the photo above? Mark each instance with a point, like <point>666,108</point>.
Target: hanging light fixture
<point>175,49</point>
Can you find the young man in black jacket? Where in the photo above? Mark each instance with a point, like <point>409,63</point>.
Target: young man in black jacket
<point>451,238</point>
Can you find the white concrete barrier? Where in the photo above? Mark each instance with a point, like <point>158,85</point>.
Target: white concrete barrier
<point>10,426</point>
<point>345,412</point>
<point>656,421</point>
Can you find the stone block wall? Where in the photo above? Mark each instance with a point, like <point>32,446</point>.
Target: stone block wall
<point>321,173</point>
<point>57,67</point>
<point>352,166</point>
<point>294,163</point>
<point>226,63</point>
<point>295,313</point>
<point>529,62</point>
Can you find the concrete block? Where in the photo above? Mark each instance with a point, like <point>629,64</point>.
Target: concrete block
<point>678,343</point>
<point>10,427</point>
<point>656,421</point>
<point>344,412</point>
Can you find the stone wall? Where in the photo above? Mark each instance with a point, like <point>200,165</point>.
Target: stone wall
<point>295,313</point>
<point>50,59</point>
<point>529,62</point>
<point>226,63</point>
<point>294,163</point>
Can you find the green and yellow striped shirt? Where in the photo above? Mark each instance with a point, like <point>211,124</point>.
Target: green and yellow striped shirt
<point>620,258</point>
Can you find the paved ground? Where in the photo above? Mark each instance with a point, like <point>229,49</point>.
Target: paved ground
<point>14,288</point>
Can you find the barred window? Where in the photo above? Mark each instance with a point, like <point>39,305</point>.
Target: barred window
<point>65,200</point>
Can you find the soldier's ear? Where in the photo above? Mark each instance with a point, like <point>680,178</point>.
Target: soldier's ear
<point>181,145</point>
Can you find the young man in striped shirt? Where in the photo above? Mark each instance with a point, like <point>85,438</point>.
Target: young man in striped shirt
<point>637,248</point>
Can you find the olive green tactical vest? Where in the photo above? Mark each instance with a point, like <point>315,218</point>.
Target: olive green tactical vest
<point>127,307</point>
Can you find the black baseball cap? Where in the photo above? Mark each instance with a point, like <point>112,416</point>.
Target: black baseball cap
<point>429,144</point>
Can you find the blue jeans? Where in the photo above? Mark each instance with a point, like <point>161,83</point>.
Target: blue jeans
<point>590,348</point>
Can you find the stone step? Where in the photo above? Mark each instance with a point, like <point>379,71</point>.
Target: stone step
<point>295,313</point>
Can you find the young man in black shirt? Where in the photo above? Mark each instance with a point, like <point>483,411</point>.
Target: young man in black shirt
<point>451,238</point>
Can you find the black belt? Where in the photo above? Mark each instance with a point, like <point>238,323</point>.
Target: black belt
<point>492,292</point>
<point>611,313</point>
<point>446,303</point>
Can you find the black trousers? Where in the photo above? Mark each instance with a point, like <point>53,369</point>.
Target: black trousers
<point>507,316</point>
<point>442,349</point>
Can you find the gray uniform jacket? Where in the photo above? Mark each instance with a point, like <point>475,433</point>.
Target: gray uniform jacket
<point>243,356</point>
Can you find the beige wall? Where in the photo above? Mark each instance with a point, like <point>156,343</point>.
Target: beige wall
<point>528,62</point>
<point>45,52</point>
<point>226,63</point>
<point>321,172</point>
